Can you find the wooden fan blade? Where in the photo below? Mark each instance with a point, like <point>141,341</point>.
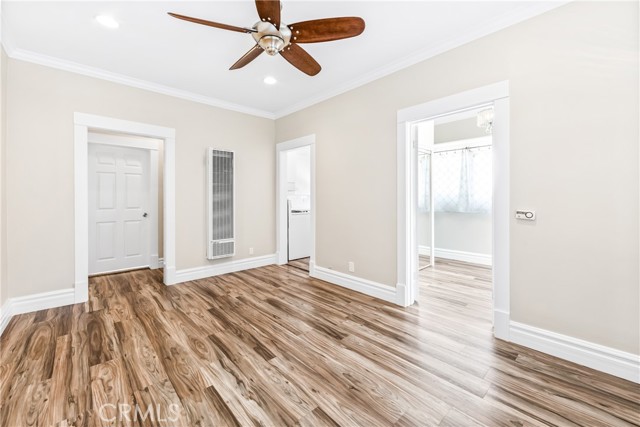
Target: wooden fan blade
<point>248,57</point>
<point>269,11</point>
<point>211,23</point>
<point>326,30</point>
<point>299,58</point>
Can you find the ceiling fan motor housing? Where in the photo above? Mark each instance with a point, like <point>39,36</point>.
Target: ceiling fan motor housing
<point>269,38</point>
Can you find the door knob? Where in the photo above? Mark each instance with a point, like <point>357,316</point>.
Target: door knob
<point>144,215</point>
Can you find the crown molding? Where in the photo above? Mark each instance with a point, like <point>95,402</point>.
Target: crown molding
<point>501,22</point>
<point>73,67</point>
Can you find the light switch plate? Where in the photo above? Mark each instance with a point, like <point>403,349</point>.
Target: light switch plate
<point>526,215</point>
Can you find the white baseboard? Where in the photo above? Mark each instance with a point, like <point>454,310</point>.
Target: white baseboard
<point>81,291</point>
<point>596,356</point>
<point>367,287</point>
<point>5,315</point>
<point>501,324</point>
<point>232,266</point>
<point>402,299</point>
<point>30,303</point>
<point>472,257</point>
<point>43,301</point>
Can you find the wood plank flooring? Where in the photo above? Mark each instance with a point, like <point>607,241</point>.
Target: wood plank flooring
<point>272,347</point>
<point>302,264</point>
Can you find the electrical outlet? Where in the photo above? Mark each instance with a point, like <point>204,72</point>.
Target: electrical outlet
<point>250,251</point>
<point>352,267</point>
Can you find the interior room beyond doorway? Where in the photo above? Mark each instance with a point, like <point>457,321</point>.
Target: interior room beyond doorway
<point>454,164</point>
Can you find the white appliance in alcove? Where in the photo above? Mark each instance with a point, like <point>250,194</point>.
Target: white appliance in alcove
<point>299,234</point>
<point>299,203</point>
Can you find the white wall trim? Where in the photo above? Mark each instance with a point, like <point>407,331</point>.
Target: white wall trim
<point>501,320</point>
<point>35,302</point>
<point>456,102</point>
<point>472,257</point>
<point>83,123</point>
<point>124,141</point>
<point>367,287</point>
<point>499,23</point>
<point>226,267</point>
<point>281,196</point>
<point>111,124</point>
<point>401,294</point>
<point>42,301</point>
<point>407,246</point>
<point>493,26</point>
<point>595,356</point>
<point>85,70</point>
<point>5,315</point>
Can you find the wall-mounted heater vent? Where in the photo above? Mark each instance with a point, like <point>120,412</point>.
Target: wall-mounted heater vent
<point>221,203</point>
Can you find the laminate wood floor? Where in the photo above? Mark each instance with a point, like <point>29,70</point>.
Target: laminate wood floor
<point>273,347</point>
<point>302,264</point>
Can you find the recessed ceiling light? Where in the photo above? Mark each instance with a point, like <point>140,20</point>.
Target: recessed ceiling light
<point>107,21</point>
<point>270,80</point>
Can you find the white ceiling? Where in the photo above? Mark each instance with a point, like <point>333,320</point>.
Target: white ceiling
<point>155,51</point>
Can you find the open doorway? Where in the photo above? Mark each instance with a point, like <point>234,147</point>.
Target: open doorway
<point>454,214</point>
<point>299,207</point>
<point>454,173</point>
<point>495,95</point>
<point>83,125</point>
<point>296,203</point>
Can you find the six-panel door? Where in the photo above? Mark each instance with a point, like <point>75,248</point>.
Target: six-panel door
<point>118,206</point>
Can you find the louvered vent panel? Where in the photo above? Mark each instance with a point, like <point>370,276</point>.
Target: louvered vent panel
<point>220,167</point>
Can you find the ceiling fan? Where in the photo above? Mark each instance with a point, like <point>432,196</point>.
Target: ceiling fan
<point>273,36</point>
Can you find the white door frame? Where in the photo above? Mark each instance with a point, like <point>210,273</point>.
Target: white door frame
<point>152,146</point>
<point>498,94</point>
<point>281,197</point>
<point>83,123</point>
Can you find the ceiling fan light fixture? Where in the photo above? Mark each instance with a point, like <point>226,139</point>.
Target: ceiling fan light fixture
<point>271,44</point>
<point>274,36</point>
<point>107,21</point>
<point>270,80</point>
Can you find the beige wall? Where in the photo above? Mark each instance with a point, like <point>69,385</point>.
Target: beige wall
<point>457,130</point>
<point>573,76</point>
<point>467,232</point>
<point>4,286</point>
<point>41,103</point>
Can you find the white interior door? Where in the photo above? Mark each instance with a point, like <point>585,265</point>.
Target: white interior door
<point>119,200</point>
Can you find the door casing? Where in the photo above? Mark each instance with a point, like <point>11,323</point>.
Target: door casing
<point>407,246</point>
<point>83,123</point>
